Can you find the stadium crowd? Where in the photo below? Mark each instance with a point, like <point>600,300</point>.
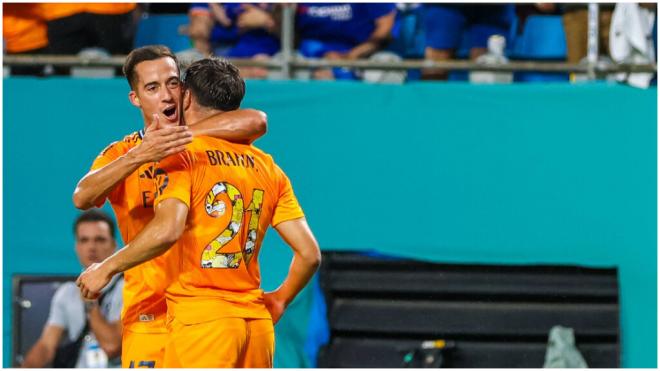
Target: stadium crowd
<point>334,31</point>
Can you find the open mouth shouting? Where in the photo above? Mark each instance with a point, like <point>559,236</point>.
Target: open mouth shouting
<point>171,114</point>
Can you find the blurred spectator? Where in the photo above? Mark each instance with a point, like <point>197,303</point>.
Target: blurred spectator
<point>247,30</point>
<point>211,31</point>
<point>90,331</point>
<point>575,20</point>
<point>408,31</point>
<point>24,32</point>
<point>73,27</point>
<point>448,24</point>
<point>343,31</point>
<point>524,10</point>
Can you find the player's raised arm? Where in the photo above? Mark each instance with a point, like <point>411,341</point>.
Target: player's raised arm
<point>239,126</point>
<point>157,143</point>
<point>155,239</point>
<point>306,260</point>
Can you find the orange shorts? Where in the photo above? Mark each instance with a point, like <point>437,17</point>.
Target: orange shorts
<point>221,343</point>
<point>139,350</point>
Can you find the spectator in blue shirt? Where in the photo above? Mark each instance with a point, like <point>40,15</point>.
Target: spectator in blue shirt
<point>211,31</point>
<point>240,30</point>
<point>343,31</point>
<point>447,24</point>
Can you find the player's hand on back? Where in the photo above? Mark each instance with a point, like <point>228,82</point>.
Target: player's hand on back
<point>275,305</point>
<point>159,142</point>
<point>92,281</point>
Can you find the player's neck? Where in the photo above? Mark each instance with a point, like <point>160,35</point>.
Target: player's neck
<point>197,114</point>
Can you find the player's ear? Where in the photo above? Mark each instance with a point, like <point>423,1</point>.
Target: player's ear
<point>187,99</point>
<point>134,99</point>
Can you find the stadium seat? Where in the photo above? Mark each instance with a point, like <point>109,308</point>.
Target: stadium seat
<point>163,29</point>
<point>543,38</point>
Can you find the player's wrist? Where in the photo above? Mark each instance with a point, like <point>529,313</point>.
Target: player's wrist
<point>134,157</point>
<point>90,305</point>
<point>110,267</point>
<point>282,298</point>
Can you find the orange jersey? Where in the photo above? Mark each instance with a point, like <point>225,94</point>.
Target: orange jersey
<point>109,8</point>
<point>132,199</point>
<point>233,192</point>
<point>22,28</point>
<point>51,11</point>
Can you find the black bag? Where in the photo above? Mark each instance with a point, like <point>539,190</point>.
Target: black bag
<point>66,356</point>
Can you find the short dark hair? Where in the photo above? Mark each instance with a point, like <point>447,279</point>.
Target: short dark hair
<point>94,215</point>
<point>145,53</point>
<point>215,83</point>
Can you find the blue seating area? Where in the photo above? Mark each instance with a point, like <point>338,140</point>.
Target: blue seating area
<point>542,39</point>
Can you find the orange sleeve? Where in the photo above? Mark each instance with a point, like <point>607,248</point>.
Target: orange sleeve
<point>22,29</point>
<point>109,8</point>
<point>287,207</point>
<point>109,154</point>
<point>174,178</point>
<point>51,11</point>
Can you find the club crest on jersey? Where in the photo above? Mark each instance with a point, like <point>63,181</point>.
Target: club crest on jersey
<point>148,173</point>
<point>161,180</point>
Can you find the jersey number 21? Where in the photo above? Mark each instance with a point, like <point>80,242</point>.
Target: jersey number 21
<point>211,256</point>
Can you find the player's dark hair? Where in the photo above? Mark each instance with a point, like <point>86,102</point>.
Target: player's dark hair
<point>145,53</point>
<point>215,83</point>
<point>94,215</point>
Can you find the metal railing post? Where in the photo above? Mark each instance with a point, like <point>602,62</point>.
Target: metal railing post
<point>592,40</point>
<point>286,41</point>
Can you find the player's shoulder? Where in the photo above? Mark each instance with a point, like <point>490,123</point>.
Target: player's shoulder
<point>133,138</point>
<point>203,143</point>
<point>260,153</point>
<point>124,144</point>
<point>264,160</point>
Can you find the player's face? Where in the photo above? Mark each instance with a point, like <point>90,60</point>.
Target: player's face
<point>94,242</point>
<point>158,90</point>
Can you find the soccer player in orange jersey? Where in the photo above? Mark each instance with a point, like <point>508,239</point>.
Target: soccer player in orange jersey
<point>218,199</point>
<point>124,174</point>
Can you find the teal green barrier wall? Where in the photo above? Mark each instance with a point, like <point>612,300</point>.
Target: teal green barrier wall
<point>552,174</point>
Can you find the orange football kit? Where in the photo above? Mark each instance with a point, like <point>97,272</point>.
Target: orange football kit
<point>143,316</point>
<point>216,311</point>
